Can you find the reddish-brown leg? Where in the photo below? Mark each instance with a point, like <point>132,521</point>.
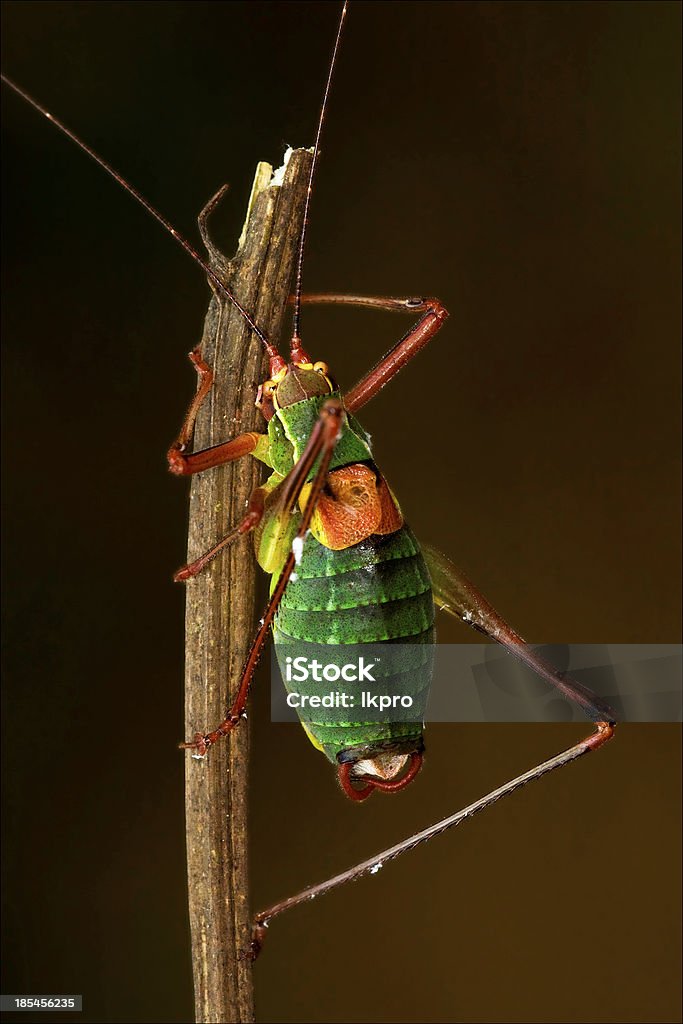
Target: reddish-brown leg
<point>433,316</point>
<point>250,522</point>
<point>183,464</point>
<point>321,444</point>
<point>603,732</point>
<point>456,594</point>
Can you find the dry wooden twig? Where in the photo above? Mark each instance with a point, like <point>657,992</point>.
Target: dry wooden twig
<point>220,602</point>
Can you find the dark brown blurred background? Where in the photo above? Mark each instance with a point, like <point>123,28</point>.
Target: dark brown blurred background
<point>520,161</point>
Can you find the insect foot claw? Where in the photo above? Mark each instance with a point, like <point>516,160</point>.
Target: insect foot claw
<point>176,461</point>
<point>258,934</point>
<point>199,745</point>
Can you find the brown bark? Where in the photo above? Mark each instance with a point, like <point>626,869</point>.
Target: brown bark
<point>220,602</point>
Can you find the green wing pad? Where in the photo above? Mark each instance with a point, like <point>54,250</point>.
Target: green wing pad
<point>290,429</point>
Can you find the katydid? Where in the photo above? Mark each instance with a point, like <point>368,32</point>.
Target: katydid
<point>327,509</point>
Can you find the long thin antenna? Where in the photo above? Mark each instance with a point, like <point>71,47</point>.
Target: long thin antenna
<point>189,249</point>
<point>296,340</point>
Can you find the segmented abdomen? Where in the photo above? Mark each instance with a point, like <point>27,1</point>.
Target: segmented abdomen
<point>375,592</point>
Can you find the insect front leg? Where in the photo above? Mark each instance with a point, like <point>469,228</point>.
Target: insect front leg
<point>182,464</point>
<point>434,314</point>
<point>179,461</point>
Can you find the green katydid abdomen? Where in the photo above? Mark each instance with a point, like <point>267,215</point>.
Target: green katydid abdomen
<point>374,592</point>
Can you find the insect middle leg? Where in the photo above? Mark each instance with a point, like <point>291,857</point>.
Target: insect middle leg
<point>320,445</point>
<point>183,464</point>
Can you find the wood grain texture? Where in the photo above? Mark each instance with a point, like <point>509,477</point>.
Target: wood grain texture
<point>220,602</point>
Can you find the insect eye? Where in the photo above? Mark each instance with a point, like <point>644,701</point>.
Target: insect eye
<point>265,393</point>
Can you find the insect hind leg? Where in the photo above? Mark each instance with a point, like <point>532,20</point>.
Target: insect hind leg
<point>603,732</point>
<point>457,595</point>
